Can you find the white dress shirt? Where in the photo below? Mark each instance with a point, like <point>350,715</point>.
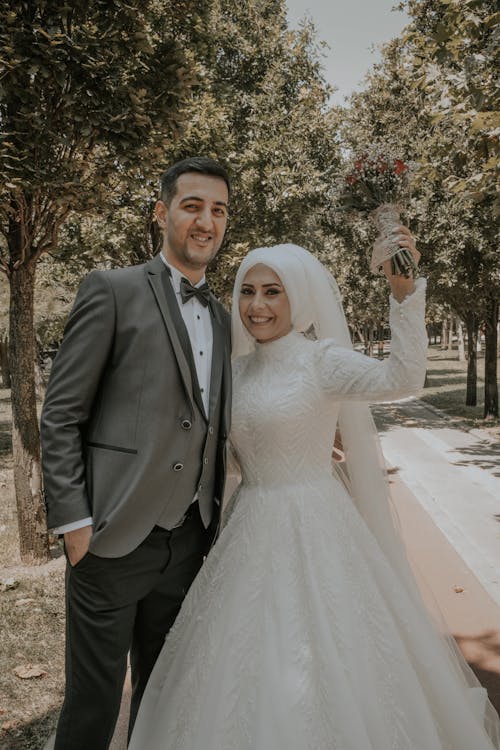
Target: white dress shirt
<point>198,322</point>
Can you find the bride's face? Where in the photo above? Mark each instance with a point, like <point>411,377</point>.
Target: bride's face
<point>264,305</point>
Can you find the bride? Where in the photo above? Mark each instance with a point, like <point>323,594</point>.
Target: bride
<point>304,629</point>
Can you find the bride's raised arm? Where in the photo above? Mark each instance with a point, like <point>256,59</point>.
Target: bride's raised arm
<point>351,375</point>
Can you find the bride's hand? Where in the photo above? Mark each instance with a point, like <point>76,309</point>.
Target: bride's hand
<point>401,287</point>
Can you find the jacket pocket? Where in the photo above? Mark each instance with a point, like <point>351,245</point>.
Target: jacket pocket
<point>107,447</point>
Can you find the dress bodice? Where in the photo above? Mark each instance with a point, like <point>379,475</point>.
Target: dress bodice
<point>283,422</point>
<point>288,392</point>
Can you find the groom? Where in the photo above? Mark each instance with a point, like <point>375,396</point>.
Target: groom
<point>133,433</point>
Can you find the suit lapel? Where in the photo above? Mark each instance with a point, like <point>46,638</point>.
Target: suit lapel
<point>218,350</point>
<point>184,339</point>
<point>220,383</point>
<point>165,297</point>
<point>220,378</point>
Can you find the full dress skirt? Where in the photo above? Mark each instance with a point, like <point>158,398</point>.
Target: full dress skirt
<point>297,635</point>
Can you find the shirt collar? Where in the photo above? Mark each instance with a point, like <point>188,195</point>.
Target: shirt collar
<point>176,276</point>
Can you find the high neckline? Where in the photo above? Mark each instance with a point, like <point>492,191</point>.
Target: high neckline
<point>267,349</point>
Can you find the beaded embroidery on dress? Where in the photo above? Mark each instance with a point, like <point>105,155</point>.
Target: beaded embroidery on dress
<point>297,634</point>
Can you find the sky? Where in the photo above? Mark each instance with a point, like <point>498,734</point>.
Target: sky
<point>351,28</point>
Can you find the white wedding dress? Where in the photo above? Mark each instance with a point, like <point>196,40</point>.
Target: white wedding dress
<point>297,634</point>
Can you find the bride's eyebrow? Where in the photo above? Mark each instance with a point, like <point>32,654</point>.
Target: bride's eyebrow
<point>264,286</point>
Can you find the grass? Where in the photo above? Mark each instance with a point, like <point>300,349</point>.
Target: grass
<point>32,606</point>
<point>446,387</point>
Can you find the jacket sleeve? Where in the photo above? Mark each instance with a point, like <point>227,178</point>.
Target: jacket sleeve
<point>349,375</point>
<point>73,383</point>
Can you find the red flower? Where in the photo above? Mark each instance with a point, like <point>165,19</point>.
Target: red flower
<point>358,164</point>
<point>399,166</point>
<point>351,179</point>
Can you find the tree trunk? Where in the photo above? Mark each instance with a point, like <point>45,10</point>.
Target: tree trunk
<point>370,340</point>
<point>155,236</point>
<point>380,341</point>
<point>4,361</point>
<point>490,361</point>
<point>461,342</point>
<point>444,333</point>
<point>366,340</point>
<point>472,328</point>
<point>450,334</point>
<point>33,537</point>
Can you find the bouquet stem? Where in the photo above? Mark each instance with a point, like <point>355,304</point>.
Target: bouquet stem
<point>386,218</point>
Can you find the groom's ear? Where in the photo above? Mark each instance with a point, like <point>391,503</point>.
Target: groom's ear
<point>160,212</point>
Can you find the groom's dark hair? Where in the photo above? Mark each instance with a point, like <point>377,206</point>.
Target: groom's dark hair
<point>200,164</point>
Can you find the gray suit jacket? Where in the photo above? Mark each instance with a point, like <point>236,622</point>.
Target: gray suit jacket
<point>123,434</point>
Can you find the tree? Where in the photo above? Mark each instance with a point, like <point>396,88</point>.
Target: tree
<point>455,231</point>
<point>462,269</point>
<point>453,47</point>
<point>259,105</point>
<point>262,109</point>
<point>385,115</point>
<point>454,53</point>
<point>83,87</point>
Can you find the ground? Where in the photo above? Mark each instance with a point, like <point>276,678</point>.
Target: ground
<point>32,617</point>
<point>32,599</point>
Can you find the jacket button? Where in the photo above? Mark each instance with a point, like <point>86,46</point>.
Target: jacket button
<point>178,467</point>
<point>205,461</point>
<point>186,424</point>
<point>210,430</point>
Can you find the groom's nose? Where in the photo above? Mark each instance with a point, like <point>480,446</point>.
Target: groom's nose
<point>204,219</point>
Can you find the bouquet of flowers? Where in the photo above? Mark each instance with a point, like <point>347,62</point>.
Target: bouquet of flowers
<point>376,186</point>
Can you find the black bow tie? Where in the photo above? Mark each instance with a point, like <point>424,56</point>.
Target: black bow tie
<point>188,290</point>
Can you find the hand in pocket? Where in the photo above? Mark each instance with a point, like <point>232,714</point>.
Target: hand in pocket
<point>77,544</point>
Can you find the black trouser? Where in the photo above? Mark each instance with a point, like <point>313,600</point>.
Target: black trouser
<point>117,604</point>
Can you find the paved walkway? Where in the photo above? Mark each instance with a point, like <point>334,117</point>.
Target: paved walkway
<point>445,483</point>
<point>455,476</point>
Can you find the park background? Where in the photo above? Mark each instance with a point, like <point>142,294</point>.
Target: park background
<point>97,98</point>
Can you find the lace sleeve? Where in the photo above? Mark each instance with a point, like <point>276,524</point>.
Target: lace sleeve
<point>351,375</point>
